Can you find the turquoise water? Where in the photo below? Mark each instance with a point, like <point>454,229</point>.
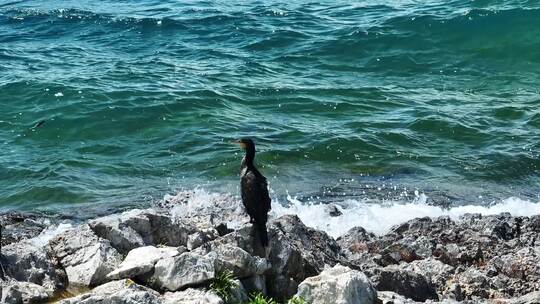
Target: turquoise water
<point>371,100</point>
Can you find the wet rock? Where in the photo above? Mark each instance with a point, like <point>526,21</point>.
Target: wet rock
<point>356,240</point>
<point>140,261</point>
<point>396,253</point>
<point>186,270</point>
<point>117,292</point>
<point>200,237</point>
<point>244,237</point>
<point>18,226</point>
<point>332,210</point>
<point>339,284</point>
<point>25,262</point>
<point>22,292</point>
<point>86,258</point>
<point>213,212</point>
<point>137,228</point>
<point>222,229</point>
<point>191,296</point>
<point>404,282</point>
<point>295,253</point>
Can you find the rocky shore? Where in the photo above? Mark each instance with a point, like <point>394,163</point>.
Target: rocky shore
<point>178,252</point>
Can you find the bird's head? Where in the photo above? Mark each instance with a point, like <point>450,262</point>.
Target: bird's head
<point>245,143</point>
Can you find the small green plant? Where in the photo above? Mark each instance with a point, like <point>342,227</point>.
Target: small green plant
<point>296,300</point>
<point>259,298</point>
<point>223,285</point>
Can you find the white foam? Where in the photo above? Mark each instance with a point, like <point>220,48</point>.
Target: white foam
<point>379,218</point>
<point>199,202</point>
<point>375,217</point>
<point>49,233</point>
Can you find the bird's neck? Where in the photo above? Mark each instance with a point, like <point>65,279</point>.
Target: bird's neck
<point>248,158</point>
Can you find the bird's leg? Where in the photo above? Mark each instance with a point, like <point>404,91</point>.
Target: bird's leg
<point>3,274</point>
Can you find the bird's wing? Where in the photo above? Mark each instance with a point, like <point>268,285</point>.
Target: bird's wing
<point>255,193</point>
<point>249,192</point>
<point>263,192</point>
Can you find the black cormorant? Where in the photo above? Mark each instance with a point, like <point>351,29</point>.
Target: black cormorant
<point>254,190</point>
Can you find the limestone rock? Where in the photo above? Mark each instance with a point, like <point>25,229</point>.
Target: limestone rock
<point>295,253</point>
<point>185,270</point>
<point>18,226</point>
<point>22,292</point>
<point>200,237</point>
<point>356,240</point>
<point>141,260</point>
<point>254,284</point>
<point>406,283</point>
<point>117,292</point>
<point>137,228</point>
<point>239,293</point>
<point>390,297</point>
<point>523,264</point>
<point>338,285</point>
<point>333,210</point>
<point>530,298</point>
<point>396,253</point>
<point>86,258</point>
<point>474,283</point>
<point>436,272</point>
<point>25,262</point>
<point>191,296</point>
<point>230,258</point>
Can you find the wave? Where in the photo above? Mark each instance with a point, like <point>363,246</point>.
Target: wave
<point>377,217</point>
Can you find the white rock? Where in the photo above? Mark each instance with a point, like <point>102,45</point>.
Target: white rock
<point>142,260</point>
<point>86,258</point>
<point>433,270</point>
<point>191,296</point>
<point>117,292</point>
<point>338,285</point>
<point>122,230</point>
<point>22,292</point>
<point>25,262</point>
<point>200,237</point>
<point>185,270</point>
<point>530,298</point>
<point>240,262</point>
<point>390,297</point>
<point>137,228</point>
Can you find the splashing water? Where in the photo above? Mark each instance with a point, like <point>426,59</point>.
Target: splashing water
<point>374,217</point>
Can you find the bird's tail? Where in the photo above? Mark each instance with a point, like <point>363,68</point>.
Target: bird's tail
<point>263,233</point>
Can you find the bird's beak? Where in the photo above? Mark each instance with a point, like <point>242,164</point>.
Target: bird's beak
<point>238,142</point>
